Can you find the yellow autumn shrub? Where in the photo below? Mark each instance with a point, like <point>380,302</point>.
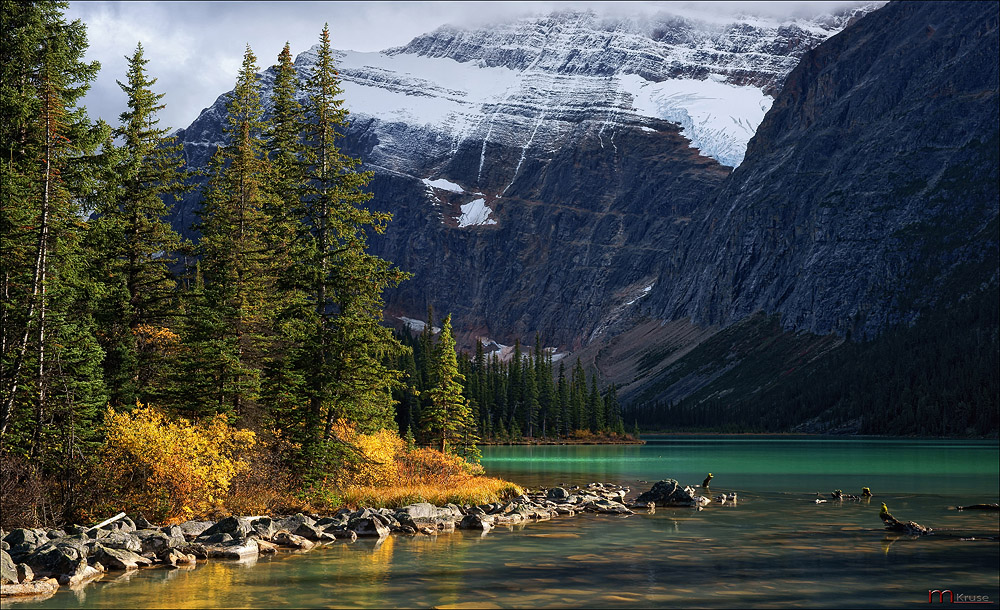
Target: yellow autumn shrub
<point>156,338</point>
<point>171,469</point>
<point>373,457</point>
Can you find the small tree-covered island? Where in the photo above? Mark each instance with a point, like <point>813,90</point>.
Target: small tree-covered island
<point>211,349</point>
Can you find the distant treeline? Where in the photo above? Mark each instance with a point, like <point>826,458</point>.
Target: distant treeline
<point>523,397</point>
<point>939,377</point>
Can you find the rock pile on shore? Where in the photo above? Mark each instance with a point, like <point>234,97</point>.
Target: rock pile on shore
<point>37,561</point>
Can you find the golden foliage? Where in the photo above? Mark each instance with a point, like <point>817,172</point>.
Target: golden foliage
<point>430,464</point>
<point>156,338</point>
<point>427,475</point>
<point>172,469</point>
<point>473,490</point>
<point>376,458</point>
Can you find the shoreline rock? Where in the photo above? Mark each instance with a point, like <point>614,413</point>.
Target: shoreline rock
<point>36,561</point>
<point>669,492</point>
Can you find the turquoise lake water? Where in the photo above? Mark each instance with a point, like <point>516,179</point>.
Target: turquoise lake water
<point>776,548</point>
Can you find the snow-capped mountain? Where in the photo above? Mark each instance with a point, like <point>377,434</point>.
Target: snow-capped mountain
<point>520,83</point>
<point>640,189</point>
<point>540,171</point>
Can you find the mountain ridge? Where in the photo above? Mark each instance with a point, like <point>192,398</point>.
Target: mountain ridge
<point>538,147</point>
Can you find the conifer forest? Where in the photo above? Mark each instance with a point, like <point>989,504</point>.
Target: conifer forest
<point>265,333</point>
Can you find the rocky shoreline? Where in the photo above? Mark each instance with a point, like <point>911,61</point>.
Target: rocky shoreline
<point>36,562</point>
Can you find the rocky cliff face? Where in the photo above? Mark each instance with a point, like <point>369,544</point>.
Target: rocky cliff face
<point>543,173</point>
<point>869,190</point>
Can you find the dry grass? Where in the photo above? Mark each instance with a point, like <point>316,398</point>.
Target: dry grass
<point>427,475</point>
<point>472,490</point>
<point>264,488</point>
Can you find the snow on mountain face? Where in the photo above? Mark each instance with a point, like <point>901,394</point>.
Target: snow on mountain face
<point>549,157</point>
<point>476,212</point>
<point>524,83</point>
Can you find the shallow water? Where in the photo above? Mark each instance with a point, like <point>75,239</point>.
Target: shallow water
<point>776,548</point>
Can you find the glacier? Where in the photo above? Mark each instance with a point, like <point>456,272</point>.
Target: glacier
<point>518,84</point>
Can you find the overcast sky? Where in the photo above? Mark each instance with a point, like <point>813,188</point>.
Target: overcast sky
<point>195,48</point>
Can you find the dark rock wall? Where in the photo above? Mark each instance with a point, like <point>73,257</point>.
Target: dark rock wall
<point>580,232</point>
<point>869,186</point>
<point>870,182</point>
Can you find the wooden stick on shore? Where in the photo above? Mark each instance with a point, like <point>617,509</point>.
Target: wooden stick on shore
<point>106,521</point>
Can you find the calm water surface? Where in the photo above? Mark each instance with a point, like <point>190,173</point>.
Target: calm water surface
<point>777,548</point>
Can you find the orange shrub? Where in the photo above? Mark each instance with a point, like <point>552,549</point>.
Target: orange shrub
<point>171,469</point>
<point>430,464</point>
<point>427,475</point>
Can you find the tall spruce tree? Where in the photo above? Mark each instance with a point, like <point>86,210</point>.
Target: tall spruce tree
<point>529,394</point>
<point>447,419</point>
<point>231,321</point>
<point>563,391</point>
<point>347,375</point>
<point>52,384</point>
<point>133,246</point>
<point>285,386</point>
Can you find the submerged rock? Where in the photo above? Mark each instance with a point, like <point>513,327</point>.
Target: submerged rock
<point>989,507</point>
<point>86,573</point>
<point>368,527</point>
<point>234,550</point>
<point>175,557</point>
<point>611,507</point>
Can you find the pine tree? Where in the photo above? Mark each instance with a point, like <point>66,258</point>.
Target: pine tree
<point>52,385</point>
<point>285,385</point>
<point>515,389</point>
<point>595,406</point>
<point>613,411</point>
<point>565,415</point>
<point>578,398</point>
<point>348,344</point>
<point>234,328</point>
<point>447,419</point>
<point>530,398</point>
<point>133,246</point>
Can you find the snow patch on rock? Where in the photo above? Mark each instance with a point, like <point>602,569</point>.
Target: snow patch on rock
<point>475,213</point>
<point>444,185</point>
<point>645,292</point>
<point>417,325</point>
